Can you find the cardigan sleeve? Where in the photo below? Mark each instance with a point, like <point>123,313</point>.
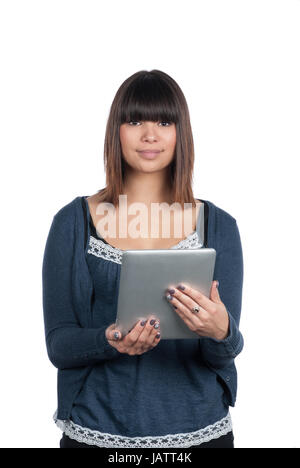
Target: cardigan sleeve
<point>229,271</point>
<point>68,344</point>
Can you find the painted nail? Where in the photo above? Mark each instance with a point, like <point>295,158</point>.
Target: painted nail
<point>152,322</point>
<point>158,335</point>
<point>181,287</point>
<point>175,307</point>
<point>171,291</point>
<point>116,335</point>
<point>143,323</point>
<point>169,297</point>
<point>156,326</point>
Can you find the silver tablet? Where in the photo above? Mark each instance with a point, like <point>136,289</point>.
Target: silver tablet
<point>147,274</point>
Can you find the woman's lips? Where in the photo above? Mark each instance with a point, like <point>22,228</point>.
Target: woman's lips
<point>149,154</point>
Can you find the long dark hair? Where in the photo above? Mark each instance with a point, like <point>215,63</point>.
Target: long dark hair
<point>149,96</point>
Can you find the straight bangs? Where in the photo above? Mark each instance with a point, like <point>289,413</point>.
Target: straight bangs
<point>148,100</point>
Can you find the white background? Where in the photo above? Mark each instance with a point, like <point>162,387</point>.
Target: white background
<point>237,63</point>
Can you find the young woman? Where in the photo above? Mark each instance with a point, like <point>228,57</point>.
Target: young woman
<point>138,390</point>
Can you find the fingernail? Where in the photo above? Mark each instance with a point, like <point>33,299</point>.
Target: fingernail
<point>152,322</point>
<point>171,291</point>
<point>181,287</point>
<point>175,307</point>
<point>217,284</point>
<point>143,323</point>
<point>169,297</point>
<point>116,335</point>
<point>156,325</point>
<point>158,335</point>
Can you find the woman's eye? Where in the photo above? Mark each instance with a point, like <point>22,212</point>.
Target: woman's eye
<point>169,123</point>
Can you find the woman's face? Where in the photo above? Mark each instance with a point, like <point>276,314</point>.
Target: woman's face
<point>138,136</point>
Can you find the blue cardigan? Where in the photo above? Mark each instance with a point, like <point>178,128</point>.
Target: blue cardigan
<point>75,345</point>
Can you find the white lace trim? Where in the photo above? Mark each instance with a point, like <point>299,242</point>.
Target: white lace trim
<point>108,252</point>
<point>102,439</point>
<point>103,250</point>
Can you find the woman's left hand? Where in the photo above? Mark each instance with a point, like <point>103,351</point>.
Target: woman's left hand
<point>212,320</point>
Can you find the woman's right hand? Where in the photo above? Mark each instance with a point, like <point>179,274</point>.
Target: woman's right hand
<point>141,338</point>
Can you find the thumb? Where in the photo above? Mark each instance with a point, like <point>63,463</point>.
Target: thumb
<point>112,333</point>
<point>215,292</point>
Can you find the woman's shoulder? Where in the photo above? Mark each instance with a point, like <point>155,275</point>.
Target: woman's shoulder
<point>220,213</point>
<point>67,212</point>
